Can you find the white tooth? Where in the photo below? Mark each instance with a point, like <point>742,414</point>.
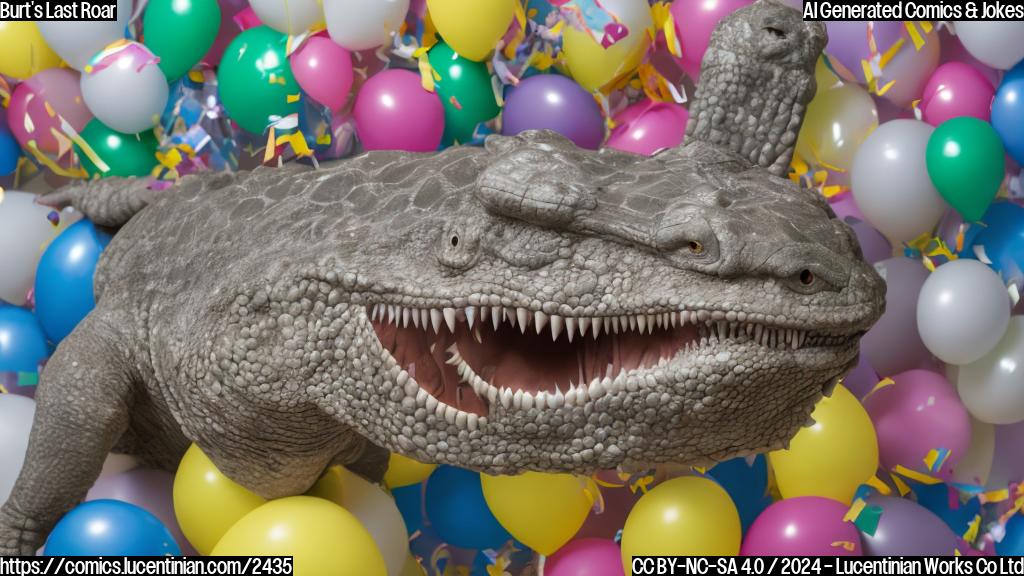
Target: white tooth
<point>373,315</point>
<point>632,384</point>
<point>421,397</point>
<point>555,400</point>
<point>435,319</point>
<point>455,358</point>
<point>673,318</point>
<point>615,324</point>
<point>476,336</point>
<point>723,329</point>
<point>460,419</point>
<point>496,317</point>
<point>439,410</point>
<point>492,394</point>
<point>527,402</point>
<point>415,317</point>
<point>405,317</point>
<point>506,397</point>
<point>581,394</point>
<point>556,326</point>
<point>795,342</point>
<point>642,321</point>
<point>449,318</point>
<point>424,318</point>
<point>619,384</point>
<point>758,332</point>
<point>522,314</point>
<point>659,320</point>
<point>410,386</point>
<point>540,399</point>
<point>584,326</point>
<point>632,321</point>
<point>470,316</point>
<point>693,317</point>
<point>650,323</point>
<point>597,389</point>
<point>570,396</point>
<point>517,399</point>
<point>595,327</point>
<point>570,327</point>
<point>510,315</point>
<point>472,421</point>
<point>431,403</point>
<point>624,323</point>
<point>449,414</point>
<point>606,325</point>
<point>540,320</point>
<point>392,313</point>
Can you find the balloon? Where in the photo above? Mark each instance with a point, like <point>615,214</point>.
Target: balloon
<point>77,41</point>
<point>465,90</point>
<point>375,510</point>
<point>585,557</point>
<point>991,387</point>
<point>180,32</point>
<point>831,458</point>
<point>256,80</point>
<point>63,289</point>
<point>889,181</point>
<point>127,530</point>
<point>553,102</point>
<point>963,311</point>
<point>838,121</point>
<point>458,511</point>
<point>9,152</point>
<point>540,510</point>
<point>324,71</point>
<point>149,489</point>
<point>976,465</point>
<point>909,70</point>
<point>122,154</point>
<point>126,89</point>
<point>1007,465</point>
<point>206,502</point>
<point>998,44</point>
<point>22,342</point>
<point>227,31</point>
<point>943,501</point>
<point>894,345</point>
<point>917,414</point>
<point>747,485</point>
<point>1012,543</point>
<point>25,51</point>
<point>591,63</point>
<point>56,89</point>
<point>684,516</point>
<point>364,24</point>
<point>1008,112</point>
<point>404,471</point>
<point>472,28</point>
<point>409,500</point>
<point>863,378</point>
<point>956,89</point>
<point>999,237</point>
<point>966,164</point>
<point>804,526</point>
<point>324,538</point>
<point>849,44</point>
<point>618,499</point>
<point>872,243</point>
<point>26,228</point>
<point>291,17</point>
<point>394,112</point>
<point>16,415</point>
<point>648,127</point>
<point>907,529</point>
<point>694,21</point>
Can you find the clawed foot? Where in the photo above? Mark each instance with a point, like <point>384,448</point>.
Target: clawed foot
<point>18,536</point>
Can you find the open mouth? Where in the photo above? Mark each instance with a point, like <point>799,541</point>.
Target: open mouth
<point>461,361</point>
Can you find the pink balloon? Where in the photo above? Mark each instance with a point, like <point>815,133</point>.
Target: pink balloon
<point>917,414</point>
<point>323,70</point>
<point>956,89</point>
<point>647,127</point>
<point>802,526</point>
<point>585,557</point>
<point>394,112</point>
<point>29,118</point>
<point>148,489</point>
<point>695,20</point>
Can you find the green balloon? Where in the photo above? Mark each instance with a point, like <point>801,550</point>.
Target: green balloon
<point>180,32</point>
<point>465,91</point>
<point>124,154</point>
<point>256,81</point>
<point>966,161</point>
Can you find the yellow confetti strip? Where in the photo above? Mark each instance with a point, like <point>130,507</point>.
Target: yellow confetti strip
<point>855,509</point>
<point>884,382</point>
<point>53,166</point>
<point>994,496</point>
<point>901,486</point>
<point>915,475</point>
<point>876,483</point>
<point>845,545</point>
<point>269,150</point>
<point>972,529</point>
<point>517,39</point>
<point>427,72</point>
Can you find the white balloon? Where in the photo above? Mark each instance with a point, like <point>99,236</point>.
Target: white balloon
<point>1000,44</point>
<point>287,16</point>
<point>25,231</point>
<point>78,41</point>
<point>962,312</point>
<point>976,465</point>
<point>129,94</point>
<point>890,181</point>
<point>16,414</point>
<point>364,24</point>
<point>379,514</point>
<point>992,388</point>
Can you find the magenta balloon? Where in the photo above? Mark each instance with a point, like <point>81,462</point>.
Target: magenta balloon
<point>894,345</point>
<point>394,112</point>
<point>920,412</point>
<point>323,70</point>
<point>647,127</point>
<point>585,557</point>
<point>151,490</point>
<point>802,526</point>
<point>554,102</point>
<point>695,20</point>
<point>848,42</point>
<point>956,89</point>
<point>905,528</point>
<point>29,119</point>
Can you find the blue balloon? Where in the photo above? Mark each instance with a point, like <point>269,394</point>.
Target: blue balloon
<point>1002,237</point>
<point>1008,112</point>
<point>935,497</point>
<point>110,528</point>
<point>1013,542</point>
<point>746,484</point>
<point>22,342</point>
<point>9,151</point>
<point>409,500</point>
<point>458,512</point>
<point>63,289</point>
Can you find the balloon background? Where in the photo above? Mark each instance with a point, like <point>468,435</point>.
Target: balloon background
<point>915,138</point>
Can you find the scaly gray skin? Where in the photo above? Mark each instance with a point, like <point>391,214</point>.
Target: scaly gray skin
<point>235,310</point>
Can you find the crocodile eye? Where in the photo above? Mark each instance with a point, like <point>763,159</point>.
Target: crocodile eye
<point>696,247</point>
<point>806,277</point>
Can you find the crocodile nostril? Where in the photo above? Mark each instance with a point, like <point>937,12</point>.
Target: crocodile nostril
<point>777,32</point>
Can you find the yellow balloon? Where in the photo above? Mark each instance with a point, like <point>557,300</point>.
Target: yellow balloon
<point>543,511</point>
<point>206,502</point>
<point>838,121</point>
<point>23,52</point>
<point>591,64</point>
<point>684,516</point>
<point>403,471</point>
<point>472,29</point>
<point>324,538</point>
<point>832,457</point>
<point>412,567</point>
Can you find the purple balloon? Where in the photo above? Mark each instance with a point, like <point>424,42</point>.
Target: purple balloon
<point>917,414</point>
<point>1007,465</point>
<point>848,42</point>
<point>553,102</point>
<point>585,557</point>
<point>872,243</point>
<point>148,489</point>
<point>802,526</point>
<point>861,379</point>
<point>894,344</point>
<point>907,529</point>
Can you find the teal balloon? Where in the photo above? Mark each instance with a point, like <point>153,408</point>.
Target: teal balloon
<point>255,79</point>
<point>966,162</point>
<point>180,32</point>
<point>464,87</point>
